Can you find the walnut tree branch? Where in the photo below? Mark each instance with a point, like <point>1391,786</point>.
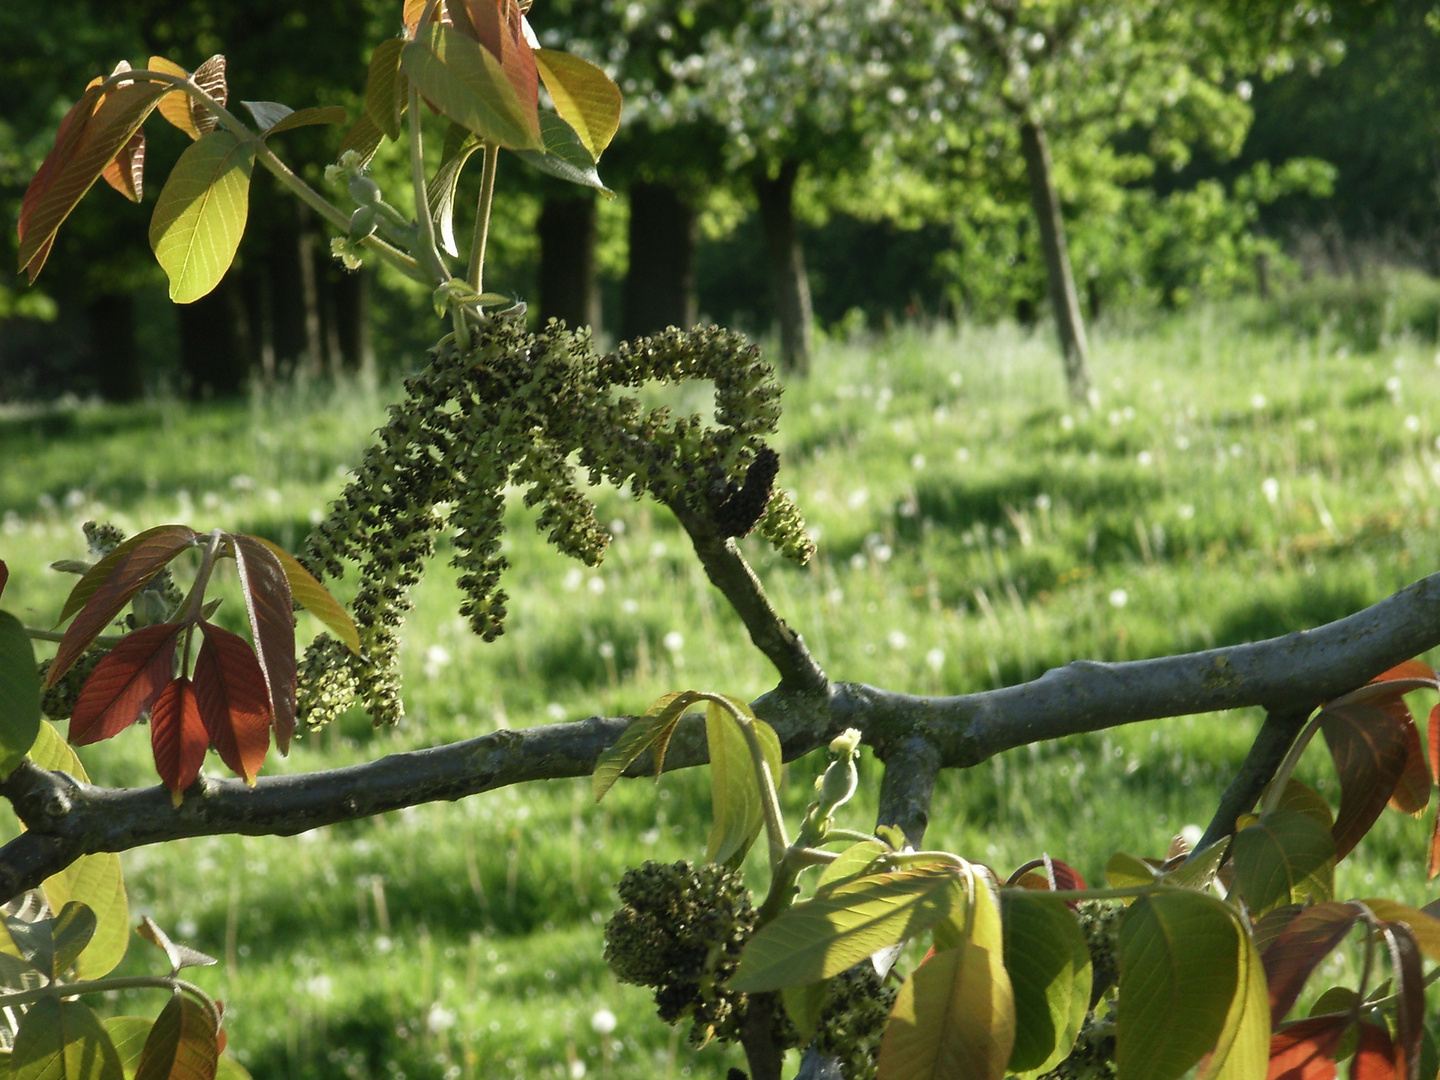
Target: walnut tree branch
<point>66,819</point>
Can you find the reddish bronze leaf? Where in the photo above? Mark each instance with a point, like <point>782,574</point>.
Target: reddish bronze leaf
<point>1412,791</point>
<point>497,25</point>
<point>234,707</point>
<point>4,576</point>
<point>1306,940</point>
<point>177,737</point>
<point>1370,748</point>
<point>1306,1050</point>
<point>83,147</point>
<point>1375,1057</point>
<point>1268,927</point>
<point>1408,669</point>
<point>126,174</point>
<point>125,683</point>
<point>209,77</point>
<point>271,608</point>
<point>182,1045</point>
<point>1054,873</point>
<point>111,583</point>
<point>1409,973</point>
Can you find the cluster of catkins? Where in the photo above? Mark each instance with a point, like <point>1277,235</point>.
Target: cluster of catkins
<point>513,408</point>
<point>680,929</point>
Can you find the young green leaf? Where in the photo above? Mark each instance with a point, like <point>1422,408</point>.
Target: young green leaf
<point>175,106</point>
<point>954,1017</point>
<point>128,1034</point>
<point>34,941</point>
<point>821,937</point>
<point>91,135</point>
<point>200,215</point>
<point>1296,951</point>
<point>1178,978</point>
<point>53,752</point>
<point>803,1004</point>
<point>1125,871</point>
<point>232,701</point>
<point>63,1040</point>
<point>459,145</point>
<point>19,694</point>
<point>306,117</point>
<point>385,89</point>
<point>125,683</point>
<point>270,609</point>
<point>178,738</point>
<point>734,787</point>
<point>182,1045</point>
<point>109,585</point>
<point>851,863</point>
<point>565,156</point>
<point>363,137</point>
<point>1244,1043</point>
<point>467,84</point>
<point>1285,857</point>
<point>1050,971</point>
<point>584,96</point>
<point>72,931</point>
<point>95,880</point>
<point>1303,798</point>
<point>315,598</point>
<point>649,732</point>
<point>978,922</point>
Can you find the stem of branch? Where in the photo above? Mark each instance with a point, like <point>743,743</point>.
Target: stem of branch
<point>481,236</point>
<point>909,782</point>
<point>1276,735</point>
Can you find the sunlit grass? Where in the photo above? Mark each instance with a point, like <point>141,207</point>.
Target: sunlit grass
<point>974,530</point>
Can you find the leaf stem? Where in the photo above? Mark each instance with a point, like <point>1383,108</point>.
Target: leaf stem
<point>105,641</point>
<point>1276,787</point>
<point>481,236</point>
<point>429,254</point>
<point>282,172</point>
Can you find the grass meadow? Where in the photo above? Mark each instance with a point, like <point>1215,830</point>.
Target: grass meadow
<point>974,530</point>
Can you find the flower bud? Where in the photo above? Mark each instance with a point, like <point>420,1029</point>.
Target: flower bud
<point>846,742</point>
<point>364,190</point>
<point>837,785</point>
<point>362,223</point>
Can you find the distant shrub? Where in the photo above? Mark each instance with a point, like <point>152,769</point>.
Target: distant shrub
<point>1365,312</point>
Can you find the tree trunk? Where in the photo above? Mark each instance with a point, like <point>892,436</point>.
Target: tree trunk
<point>660,284</point>
<point>1063,297</point>
<point>351,293</point>
<point>114,356</point>
<point>569,280</point>
<point>789,286</point>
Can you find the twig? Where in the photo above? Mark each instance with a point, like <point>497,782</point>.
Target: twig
<point>1266,752</point>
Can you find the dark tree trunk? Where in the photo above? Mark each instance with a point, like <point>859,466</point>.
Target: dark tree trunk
<point>569,280</point>
<point>313,321</point>
<point>212,359</point>
<point>789,287</point>
<point>285,311</point>
<point>351,293</point>
<point>660,284</point>
<point>114,355</point>
<point>1063,296</point>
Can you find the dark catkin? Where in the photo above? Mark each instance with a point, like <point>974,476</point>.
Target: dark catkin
<point>525,409</point>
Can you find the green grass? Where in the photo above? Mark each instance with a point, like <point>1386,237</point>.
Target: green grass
<point>973,531</point>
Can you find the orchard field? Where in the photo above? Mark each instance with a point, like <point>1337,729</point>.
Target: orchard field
<point>1236,482</point>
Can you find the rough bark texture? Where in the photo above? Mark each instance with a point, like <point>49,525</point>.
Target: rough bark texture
<point>569,280</point>
<point>1063,297</point>
<point>789,285</point>
<point>660,284</point>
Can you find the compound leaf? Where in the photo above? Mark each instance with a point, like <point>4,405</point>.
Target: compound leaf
<point>182,1045</point>
<point>178,738</point>
<point>649,732</point>
<point>232,701</point>
<point>125,683</point>
<point>96,881</point>
<point>1295,952</point>
<point>1287,856</point>
<point>1050,972</point>
<point>270,608</point>
<point>63,1040</point>
<point>585,97</point>
<point>314,597</point>
<point>467,84</point>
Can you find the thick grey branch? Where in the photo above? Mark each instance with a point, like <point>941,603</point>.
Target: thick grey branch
<point>1287,675</point>
<point>1256,771</point>
<point>731,574</point>
<point>910,773</point>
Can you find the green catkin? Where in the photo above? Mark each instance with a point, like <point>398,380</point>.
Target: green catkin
<point>524,409</point>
